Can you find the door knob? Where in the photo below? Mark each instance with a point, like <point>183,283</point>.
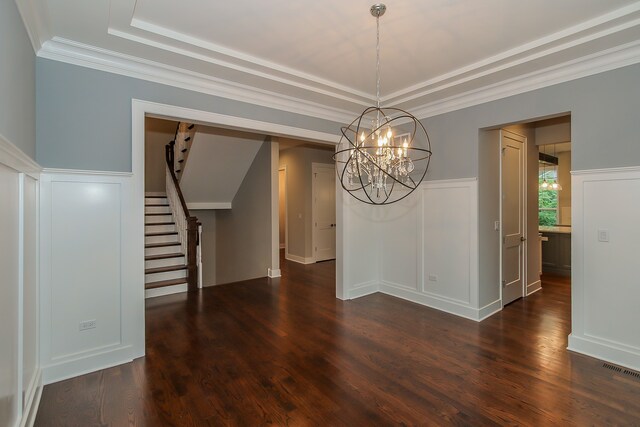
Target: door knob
<point>522,239</point>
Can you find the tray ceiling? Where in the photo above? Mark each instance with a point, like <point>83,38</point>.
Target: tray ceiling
<point>323,53</point>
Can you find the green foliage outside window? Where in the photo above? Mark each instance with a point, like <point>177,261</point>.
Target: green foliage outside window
<point>547,200</point>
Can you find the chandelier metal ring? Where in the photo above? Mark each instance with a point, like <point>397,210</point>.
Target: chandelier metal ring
<point>374,163</point>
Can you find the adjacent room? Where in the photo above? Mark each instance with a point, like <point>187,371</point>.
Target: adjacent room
<point>338,213</point>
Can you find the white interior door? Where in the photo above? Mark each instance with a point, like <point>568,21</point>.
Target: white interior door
<point>512,167</point>
<point>324,212</point>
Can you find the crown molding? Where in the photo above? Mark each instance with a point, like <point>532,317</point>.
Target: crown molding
<point>611,59</point>
<point>71,52</point>
<point>36,21</point>
<point>619,20</point>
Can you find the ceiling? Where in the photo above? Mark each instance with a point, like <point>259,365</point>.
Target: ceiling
<point>319,57</point>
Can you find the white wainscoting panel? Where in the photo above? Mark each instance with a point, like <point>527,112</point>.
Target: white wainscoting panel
<point>10,326</point>
<point>401,243</point>
<point>361,246</point>
<point>86,263</point>
<point>606,244</point>
<point>428,248</point>
<point>20,380</point>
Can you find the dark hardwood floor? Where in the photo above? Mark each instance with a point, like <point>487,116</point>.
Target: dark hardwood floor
<point>287,352</point>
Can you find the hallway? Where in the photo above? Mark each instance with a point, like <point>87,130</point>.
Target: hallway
<point>286,352</point>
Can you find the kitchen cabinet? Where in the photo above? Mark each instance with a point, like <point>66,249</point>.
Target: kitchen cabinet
<point>556,253</point>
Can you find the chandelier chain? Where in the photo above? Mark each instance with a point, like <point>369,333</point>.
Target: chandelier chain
<point>378,61</point>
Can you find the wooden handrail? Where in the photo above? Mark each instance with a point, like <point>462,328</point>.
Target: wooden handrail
<point>192,221</point>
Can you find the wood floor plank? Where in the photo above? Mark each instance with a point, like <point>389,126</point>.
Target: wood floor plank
<point>287,352</point>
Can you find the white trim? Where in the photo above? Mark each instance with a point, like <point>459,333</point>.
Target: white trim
<point>272,273</point>
<point>209,205</point>
<point>155,194</point>
<point>165,290</point>
<point>489,310</point>
<point>15,158</point>
<point>534,287</point>
<point>363,289</point>
<point>600,62</point>
<point>166,111</point>
<point>630,169</point>
<point>605,350</point>
<point>299,259</point>
<point>432,301</point>
<point>56,171</point>
<point>71,52</point>
<point>35,16</point>
<point>32,400</point>
<point>85,365</point>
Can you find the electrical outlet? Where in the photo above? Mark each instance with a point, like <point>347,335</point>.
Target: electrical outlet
<point>496,225</point>
<point>603,235</point>
<point>433,278</point>
<point>87,324</point>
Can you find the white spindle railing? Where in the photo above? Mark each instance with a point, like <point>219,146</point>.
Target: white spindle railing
<point>179,215</point>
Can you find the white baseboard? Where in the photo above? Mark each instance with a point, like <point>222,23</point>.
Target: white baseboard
<point>80,365</point>
<point>534,287</point>
<point>32,400</point>
<point>489,310</point>
<point>620,355</point>
<point>166,290</point>
<point>299,259</point>
<point>363,289</point>
<point>273,273</point>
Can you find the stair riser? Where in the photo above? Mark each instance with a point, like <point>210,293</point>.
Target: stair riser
<point>169,275</point>
<point>159,228</point>
<point>164,262</point>
<point>157,209</point>
<point>161,239</point>
<point>159,218</point>
<point>163,250</point>
<point>155,201</point>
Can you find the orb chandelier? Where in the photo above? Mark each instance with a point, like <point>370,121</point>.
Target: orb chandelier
<point>383,154</point>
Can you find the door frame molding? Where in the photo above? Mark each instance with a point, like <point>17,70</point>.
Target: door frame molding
<point>523,258</point>
<point>283,168</point>
<point>314,167</point>
<point>140,109</point>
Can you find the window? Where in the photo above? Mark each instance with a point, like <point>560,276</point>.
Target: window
<point>547,199</point>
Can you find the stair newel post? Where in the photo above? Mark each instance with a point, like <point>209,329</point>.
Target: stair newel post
<point>192,243</point>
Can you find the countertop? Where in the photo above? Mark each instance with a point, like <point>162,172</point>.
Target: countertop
<point>565,229</point>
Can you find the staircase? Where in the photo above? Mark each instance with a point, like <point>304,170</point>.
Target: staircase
<point>165,261</point>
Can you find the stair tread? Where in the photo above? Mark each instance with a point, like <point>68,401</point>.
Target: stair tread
<point>161,233</point>
<point>156,197</point>
<point>163,256</point>
<point>157,213</point>
<point>165,269</point>
<point>163,283</point>
<point>161,245</point>
<point>157,205</point>
<point>159,223</point>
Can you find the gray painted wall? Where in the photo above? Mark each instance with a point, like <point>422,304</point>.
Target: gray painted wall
<point>298,161</point>
<point>604,128</point>
<point>157,134</point>
<point>84,115</point>
<point>17,81</point>
<point>243,233</point>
